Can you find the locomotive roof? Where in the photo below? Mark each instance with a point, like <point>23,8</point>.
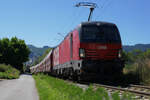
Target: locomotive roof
<point>97,22</point>
<point>87,23</point>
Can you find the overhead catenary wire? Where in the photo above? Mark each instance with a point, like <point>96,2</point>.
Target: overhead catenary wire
<point>102,3</point>
<point>60,34</point>
<point>74,17</point>
<point>71,20</point>
<point>103,8</point>
<point>66,26</point>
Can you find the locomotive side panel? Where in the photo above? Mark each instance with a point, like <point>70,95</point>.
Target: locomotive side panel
<point>76,45</point>
<point>65,51</point>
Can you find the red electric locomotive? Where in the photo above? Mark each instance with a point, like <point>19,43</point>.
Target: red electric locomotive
<point>92,50</point>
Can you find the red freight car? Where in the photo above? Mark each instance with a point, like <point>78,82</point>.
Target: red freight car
<point>92,49</point>
<point>45,65</point>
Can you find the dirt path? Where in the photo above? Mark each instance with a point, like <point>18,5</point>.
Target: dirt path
<point>18,89</point>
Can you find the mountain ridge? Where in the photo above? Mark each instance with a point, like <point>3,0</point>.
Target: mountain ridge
<point>39,51</point>
<point>142,47</point>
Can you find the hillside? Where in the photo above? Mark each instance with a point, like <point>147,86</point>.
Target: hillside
<point>142,47</point>
<point>36,52</point>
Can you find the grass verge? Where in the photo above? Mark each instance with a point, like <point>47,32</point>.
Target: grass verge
<point>51,88</point>
<point>8,72</point>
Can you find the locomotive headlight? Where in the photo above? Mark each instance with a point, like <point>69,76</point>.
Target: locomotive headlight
<point>120,54</point>
<point>81,53</point>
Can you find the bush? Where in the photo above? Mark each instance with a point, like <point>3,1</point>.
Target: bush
<point>8,72</point>
<point>138,72</point>
<point>3,68</point>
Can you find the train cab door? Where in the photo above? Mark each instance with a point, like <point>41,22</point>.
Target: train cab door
<point>71,46</point>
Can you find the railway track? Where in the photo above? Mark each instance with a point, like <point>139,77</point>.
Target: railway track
<point>141,92</point>
<point>141,86</point>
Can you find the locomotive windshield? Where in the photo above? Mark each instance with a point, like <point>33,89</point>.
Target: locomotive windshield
<point>102,34</point>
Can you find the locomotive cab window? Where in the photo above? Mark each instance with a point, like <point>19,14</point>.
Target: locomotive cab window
<point>103,34</point>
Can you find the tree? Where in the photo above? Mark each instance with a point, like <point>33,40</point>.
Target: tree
<point>14,52</point>
<point>4,47</point>
<point>147,53</point>
<point>137,54</point>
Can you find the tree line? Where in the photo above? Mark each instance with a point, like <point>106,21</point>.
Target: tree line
<point>136,55</point>
<point>14,52</point>
<point>137,66</point>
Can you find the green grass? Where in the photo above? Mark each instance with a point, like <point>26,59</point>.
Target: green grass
<point>51,88</point>
<point>8,72</point>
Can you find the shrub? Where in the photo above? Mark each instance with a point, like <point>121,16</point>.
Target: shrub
<point>138,72</point>
<point>8,72</point>
<point>3,67</point>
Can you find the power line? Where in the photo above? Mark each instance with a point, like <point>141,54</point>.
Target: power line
<point>107,6</point>
<point>103,8</point>
<point>61,35</point>
<point>75,17</point>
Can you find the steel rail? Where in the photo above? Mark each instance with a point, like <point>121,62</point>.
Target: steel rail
<point>123,89</point>
<point>140,86</point>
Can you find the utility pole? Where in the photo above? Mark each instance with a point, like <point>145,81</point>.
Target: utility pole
<point>90,5</point>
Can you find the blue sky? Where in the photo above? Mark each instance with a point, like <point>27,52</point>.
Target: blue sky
<point>38,22</point>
